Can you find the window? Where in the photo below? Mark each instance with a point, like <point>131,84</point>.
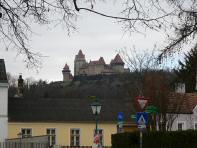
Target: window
<point>100,132</point>
<point>74,137</point>
<point>195,125</point>
<point>51,132</point>
<point>26,132</point>
<point>180,126</point>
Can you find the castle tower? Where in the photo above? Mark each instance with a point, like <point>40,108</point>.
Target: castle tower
<point>66,74</point>
<point>79,62</point>
<point>117,64</point>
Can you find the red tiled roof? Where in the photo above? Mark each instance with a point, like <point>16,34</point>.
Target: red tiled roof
<point>101,60</point>
<point>117,60</point>
<point>182,103</point>
<point>98,62</point>
<point>66,67</point>
<point>80,54</point>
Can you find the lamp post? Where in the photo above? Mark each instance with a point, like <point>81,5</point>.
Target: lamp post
<point>96,108</point>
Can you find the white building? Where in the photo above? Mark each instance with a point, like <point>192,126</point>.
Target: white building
<point>182,111</point>
<point>3,102</point>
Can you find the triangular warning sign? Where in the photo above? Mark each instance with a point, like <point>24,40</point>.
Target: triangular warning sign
<point>141,120</point>
<point>142,103</point>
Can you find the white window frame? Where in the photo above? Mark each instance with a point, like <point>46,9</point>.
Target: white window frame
<point>24,135</point>
<point>195,123</point>
<point>102,142</point>
<point>184,125</point>
<point>79,136</point>
<point>50,141</point>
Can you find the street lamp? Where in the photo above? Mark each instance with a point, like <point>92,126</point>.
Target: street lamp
<point>96,108</point>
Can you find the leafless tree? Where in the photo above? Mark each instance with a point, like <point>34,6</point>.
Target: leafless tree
<point>136,16</point>
<point>140,60</point>
<point>12,80</point>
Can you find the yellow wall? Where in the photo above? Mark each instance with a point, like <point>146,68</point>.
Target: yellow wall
<point>63,131</point>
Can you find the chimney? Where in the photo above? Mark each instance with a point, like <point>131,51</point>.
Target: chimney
<point>180,87</point>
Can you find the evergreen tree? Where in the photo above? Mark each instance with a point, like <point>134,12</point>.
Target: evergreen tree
<point>188,70</point>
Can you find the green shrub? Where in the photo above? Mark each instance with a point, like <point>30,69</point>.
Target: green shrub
<point>173,139</point>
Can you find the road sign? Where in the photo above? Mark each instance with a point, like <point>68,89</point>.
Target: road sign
<point>142,102</point>
<point>120,121</point>
<point>96,138</point>
<point>141,126</point>
<point>142,118</point>
<point>120,116</point>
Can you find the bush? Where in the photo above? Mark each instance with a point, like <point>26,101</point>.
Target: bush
<point>174,139</point>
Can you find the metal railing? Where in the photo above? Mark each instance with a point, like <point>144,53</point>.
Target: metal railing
<point>58,146</point>
<point>23,145</point>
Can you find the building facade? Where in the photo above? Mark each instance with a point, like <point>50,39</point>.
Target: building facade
<point>82,67</point>
<point>3,102</point>
<point>68,121</point>
<point>182,111</point>
<point>64,134</point>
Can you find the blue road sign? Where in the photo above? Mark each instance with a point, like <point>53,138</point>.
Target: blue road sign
<point>142,118</point>
<point>120,116</point>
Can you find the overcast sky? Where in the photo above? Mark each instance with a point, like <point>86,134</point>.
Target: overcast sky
<point>96,36</point>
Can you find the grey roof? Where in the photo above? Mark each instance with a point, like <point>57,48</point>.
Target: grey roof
<point>65,110</point>
<point>3,76</point>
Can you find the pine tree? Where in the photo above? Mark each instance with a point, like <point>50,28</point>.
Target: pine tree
<point>188,70</point>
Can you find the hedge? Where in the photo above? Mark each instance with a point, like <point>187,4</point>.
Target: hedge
<point>173,139</point>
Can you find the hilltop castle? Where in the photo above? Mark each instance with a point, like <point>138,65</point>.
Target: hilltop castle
<point>82,67</point>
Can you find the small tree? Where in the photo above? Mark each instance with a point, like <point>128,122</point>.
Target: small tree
<point>187,70</point>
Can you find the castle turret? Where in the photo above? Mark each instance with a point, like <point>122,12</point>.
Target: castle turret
<point>117,64</point>
<point>67,76</point>
<point>79,62</point>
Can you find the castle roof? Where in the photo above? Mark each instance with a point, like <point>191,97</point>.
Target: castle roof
<point>101,61</point>
<point>3,76</point>
<point>117,60</point>
<point>80,54</point>
<point>66,68</point>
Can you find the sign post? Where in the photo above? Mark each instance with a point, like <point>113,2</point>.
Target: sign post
<point>142,121</point>
<point>120,122</point>
<point>141,139</point>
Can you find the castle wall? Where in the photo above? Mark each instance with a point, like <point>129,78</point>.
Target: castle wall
<point>78,64</point>
<point>66,77</point>
<point>95,69</point>
<point>118,68</point>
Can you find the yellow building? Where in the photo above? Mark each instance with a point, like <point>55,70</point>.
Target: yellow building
<point>64,134</point>
<point>68,122</point>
